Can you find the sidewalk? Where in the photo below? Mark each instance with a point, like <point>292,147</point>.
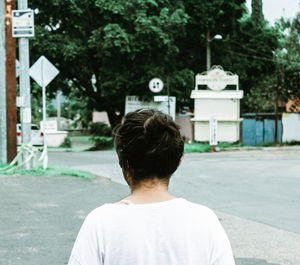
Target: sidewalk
<point>41,216</point>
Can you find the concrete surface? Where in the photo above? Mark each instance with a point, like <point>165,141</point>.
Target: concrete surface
<point>41,216</point>
<point>254,193</point>
<point>260,185</point>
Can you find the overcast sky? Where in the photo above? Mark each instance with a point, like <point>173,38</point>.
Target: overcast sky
<point>274,9</point>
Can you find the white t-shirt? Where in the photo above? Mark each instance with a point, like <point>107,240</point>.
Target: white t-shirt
<point>174,232</point>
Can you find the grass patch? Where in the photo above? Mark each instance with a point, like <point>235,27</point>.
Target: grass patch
<point>101,143</point>
<point>291,143</point>
<point>66,143</point>
<point>59,147</point>
<point>205,147</point>
<point>196,147</point>
<point>84,139</point>
<point>50,171</point>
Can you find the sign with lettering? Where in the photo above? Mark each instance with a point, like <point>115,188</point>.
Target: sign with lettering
<point>213,137</point>
<point>22,23</point>
<point>156,85</point>
<point>168,107</point>
<point>217,79</point>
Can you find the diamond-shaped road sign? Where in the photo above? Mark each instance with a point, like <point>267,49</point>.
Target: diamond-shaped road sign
<point>43,71</point>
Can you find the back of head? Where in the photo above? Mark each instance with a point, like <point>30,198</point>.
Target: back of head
<point>149,145</point>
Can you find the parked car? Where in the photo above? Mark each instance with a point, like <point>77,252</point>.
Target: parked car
<point>37,136</point>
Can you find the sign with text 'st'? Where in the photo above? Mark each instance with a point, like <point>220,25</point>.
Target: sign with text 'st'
<point>22,23</point>
<point>156,85</point>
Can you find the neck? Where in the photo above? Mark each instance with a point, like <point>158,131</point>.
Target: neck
<point>150,191</point>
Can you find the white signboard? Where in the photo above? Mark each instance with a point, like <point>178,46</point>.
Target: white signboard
<point>51,126</point>
<point>291,127</point>
<point>213,136</point>
<point>43,71</point>
<point>20,102</point>
<point>160,98</point>
<point>217,79</point>
<point>22,23</point>
<point>156,85</point>
<point>133,103</point>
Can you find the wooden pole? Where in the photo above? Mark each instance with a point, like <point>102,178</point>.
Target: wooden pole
<point>11,113</point>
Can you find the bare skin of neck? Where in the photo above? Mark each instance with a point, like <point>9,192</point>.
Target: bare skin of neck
<point>150,191</point>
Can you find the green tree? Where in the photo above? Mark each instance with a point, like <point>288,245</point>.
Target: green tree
<point>123,43</point>
<point>257,12</point>
<point>292,68</point>
<point>126,43</point>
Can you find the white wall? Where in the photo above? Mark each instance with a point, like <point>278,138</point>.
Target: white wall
<point>55,139</point>
<point>291,127</point>
<point>226,131</point>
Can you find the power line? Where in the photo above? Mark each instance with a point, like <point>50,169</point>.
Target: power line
<point>247,48</point>
<point>259,57</point>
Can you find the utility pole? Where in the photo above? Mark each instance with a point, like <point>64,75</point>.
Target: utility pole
<point>3,140</point>
<point>11,93</point>
<point>208,52</point>
<point>58,97</point>
<point>25,88</point>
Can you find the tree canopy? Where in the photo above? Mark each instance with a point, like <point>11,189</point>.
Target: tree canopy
<point>124,44</point>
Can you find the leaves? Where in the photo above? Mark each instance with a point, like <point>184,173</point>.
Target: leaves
<point>126,43</point>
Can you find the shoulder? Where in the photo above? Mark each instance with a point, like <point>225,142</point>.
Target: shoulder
<point>198,214</point>
<point>198,208</point>
<point>100,213</point>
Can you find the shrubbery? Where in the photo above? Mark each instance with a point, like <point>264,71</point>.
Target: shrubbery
<point>101,136</point>
<point>100,129</point>
<point>66,143</point>
<point>101,143</point>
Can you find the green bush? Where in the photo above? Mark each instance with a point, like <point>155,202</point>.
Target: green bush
<point>101,143</point>
<point>100,129</point>
<point>66,143</point>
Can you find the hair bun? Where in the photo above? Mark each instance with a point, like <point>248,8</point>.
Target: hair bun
<point>149,144</point>
<point>158,125</point>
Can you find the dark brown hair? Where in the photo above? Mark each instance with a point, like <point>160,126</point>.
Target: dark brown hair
<point>148,144</point>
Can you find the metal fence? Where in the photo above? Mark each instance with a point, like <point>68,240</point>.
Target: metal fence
<point>259,129</point>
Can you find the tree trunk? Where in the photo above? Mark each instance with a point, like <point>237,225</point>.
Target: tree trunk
<point>114,119</point>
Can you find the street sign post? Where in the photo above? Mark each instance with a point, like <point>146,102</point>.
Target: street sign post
<point>23,28</point>
<point>213,136</point>
<point>22,23</point>
<point>156,85</point>
<point>43,72</point>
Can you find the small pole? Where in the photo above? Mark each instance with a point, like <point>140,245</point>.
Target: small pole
<point>208,52</point>
<point>58,109</point>
<point>44,101</point>
<point>45,151</point>
<point>168,88</point>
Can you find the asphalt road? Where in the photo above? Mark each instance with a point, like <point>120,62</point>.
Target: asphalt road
<point>254,193</point>
<point>259,185</point>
